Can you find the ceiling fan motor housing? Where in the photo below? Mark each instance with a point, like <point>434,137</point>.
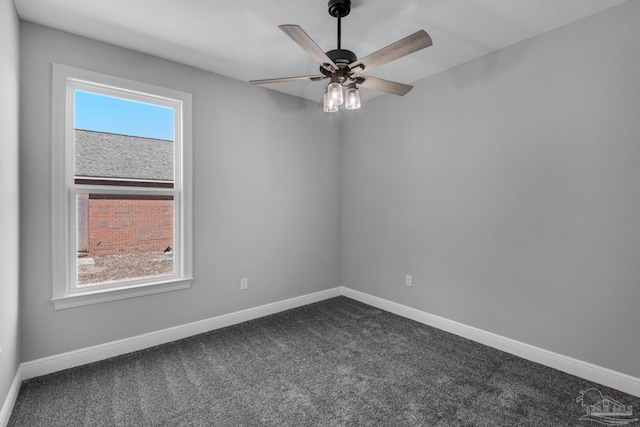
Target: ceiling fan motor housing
<point>342,58</point>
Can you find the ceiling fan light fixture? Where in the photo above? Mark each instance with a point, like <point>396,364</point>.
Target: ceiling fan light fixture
<point>335,92</point>
<point>352,96</point>
<point>330,105</point>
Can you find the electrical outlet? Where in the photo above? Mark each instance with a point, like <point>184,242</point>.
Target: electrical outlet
<point>408,281</point>
<point>244,283</point>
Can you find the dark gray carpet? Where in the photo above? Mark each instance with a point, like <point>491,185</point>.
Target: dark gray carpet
<point>333,363</point>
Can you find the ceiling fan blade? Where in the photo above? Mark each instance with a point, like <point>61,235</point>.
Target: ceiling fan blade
<point>414,42</point>
<point>297,34</point>
<point>287,79</point>
<point>383,85</point>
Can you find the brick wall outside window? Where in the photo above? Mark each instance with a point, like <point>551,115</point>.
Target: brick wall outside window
<point>129,224</point>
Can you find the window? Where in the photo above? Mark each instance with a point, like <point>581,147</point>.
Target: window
<point>121,188</point>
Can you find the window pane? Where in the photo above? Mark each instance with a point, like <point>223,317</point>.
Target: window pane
<point>129,237</point>
<point>122,142</point>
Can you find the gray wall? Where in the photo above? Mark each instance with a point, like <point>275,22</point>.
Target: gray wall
<point>509,188</point>
<point>9,106</point>
<point>266,197</point>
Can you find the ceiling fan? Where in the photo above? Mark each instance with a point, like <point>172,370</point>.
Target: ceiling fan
<point>343,67</point>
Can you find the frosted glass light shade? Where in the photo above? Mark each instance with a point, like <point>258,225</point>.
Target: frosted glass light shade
<point>352,96</point>
<point>330,105</point>
<point>335,91</point>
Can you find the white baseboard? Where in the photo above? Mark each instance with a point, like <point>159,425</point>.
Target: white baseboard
<point>58,362</point>
<point>579,368</point>
<point>10,400</point>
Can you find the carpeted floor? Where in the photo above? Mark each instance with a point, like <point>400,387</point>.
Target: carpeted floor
<point>334,363</point>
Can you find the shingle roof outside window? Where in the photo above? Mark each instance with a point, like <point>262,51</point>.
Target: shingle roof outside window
<point>110,155</point>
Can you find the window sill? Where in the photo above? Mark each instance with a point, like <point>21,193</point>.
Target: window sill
<point>97,297</point>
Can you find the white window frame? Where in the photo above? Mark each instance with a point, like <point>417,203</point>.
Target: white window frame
<point>66,293</point>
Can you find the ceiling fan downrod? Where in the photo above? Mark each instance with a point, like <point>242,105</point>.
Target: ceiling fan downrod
<point>339,9</point>
<point>339,30</point>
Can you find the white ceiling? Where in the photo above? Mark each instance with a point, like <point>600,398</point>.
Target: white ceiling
<point>240,38</point>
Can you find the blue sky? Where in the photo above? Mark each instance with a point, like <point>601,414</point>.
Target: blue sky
<point>116,115</point>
